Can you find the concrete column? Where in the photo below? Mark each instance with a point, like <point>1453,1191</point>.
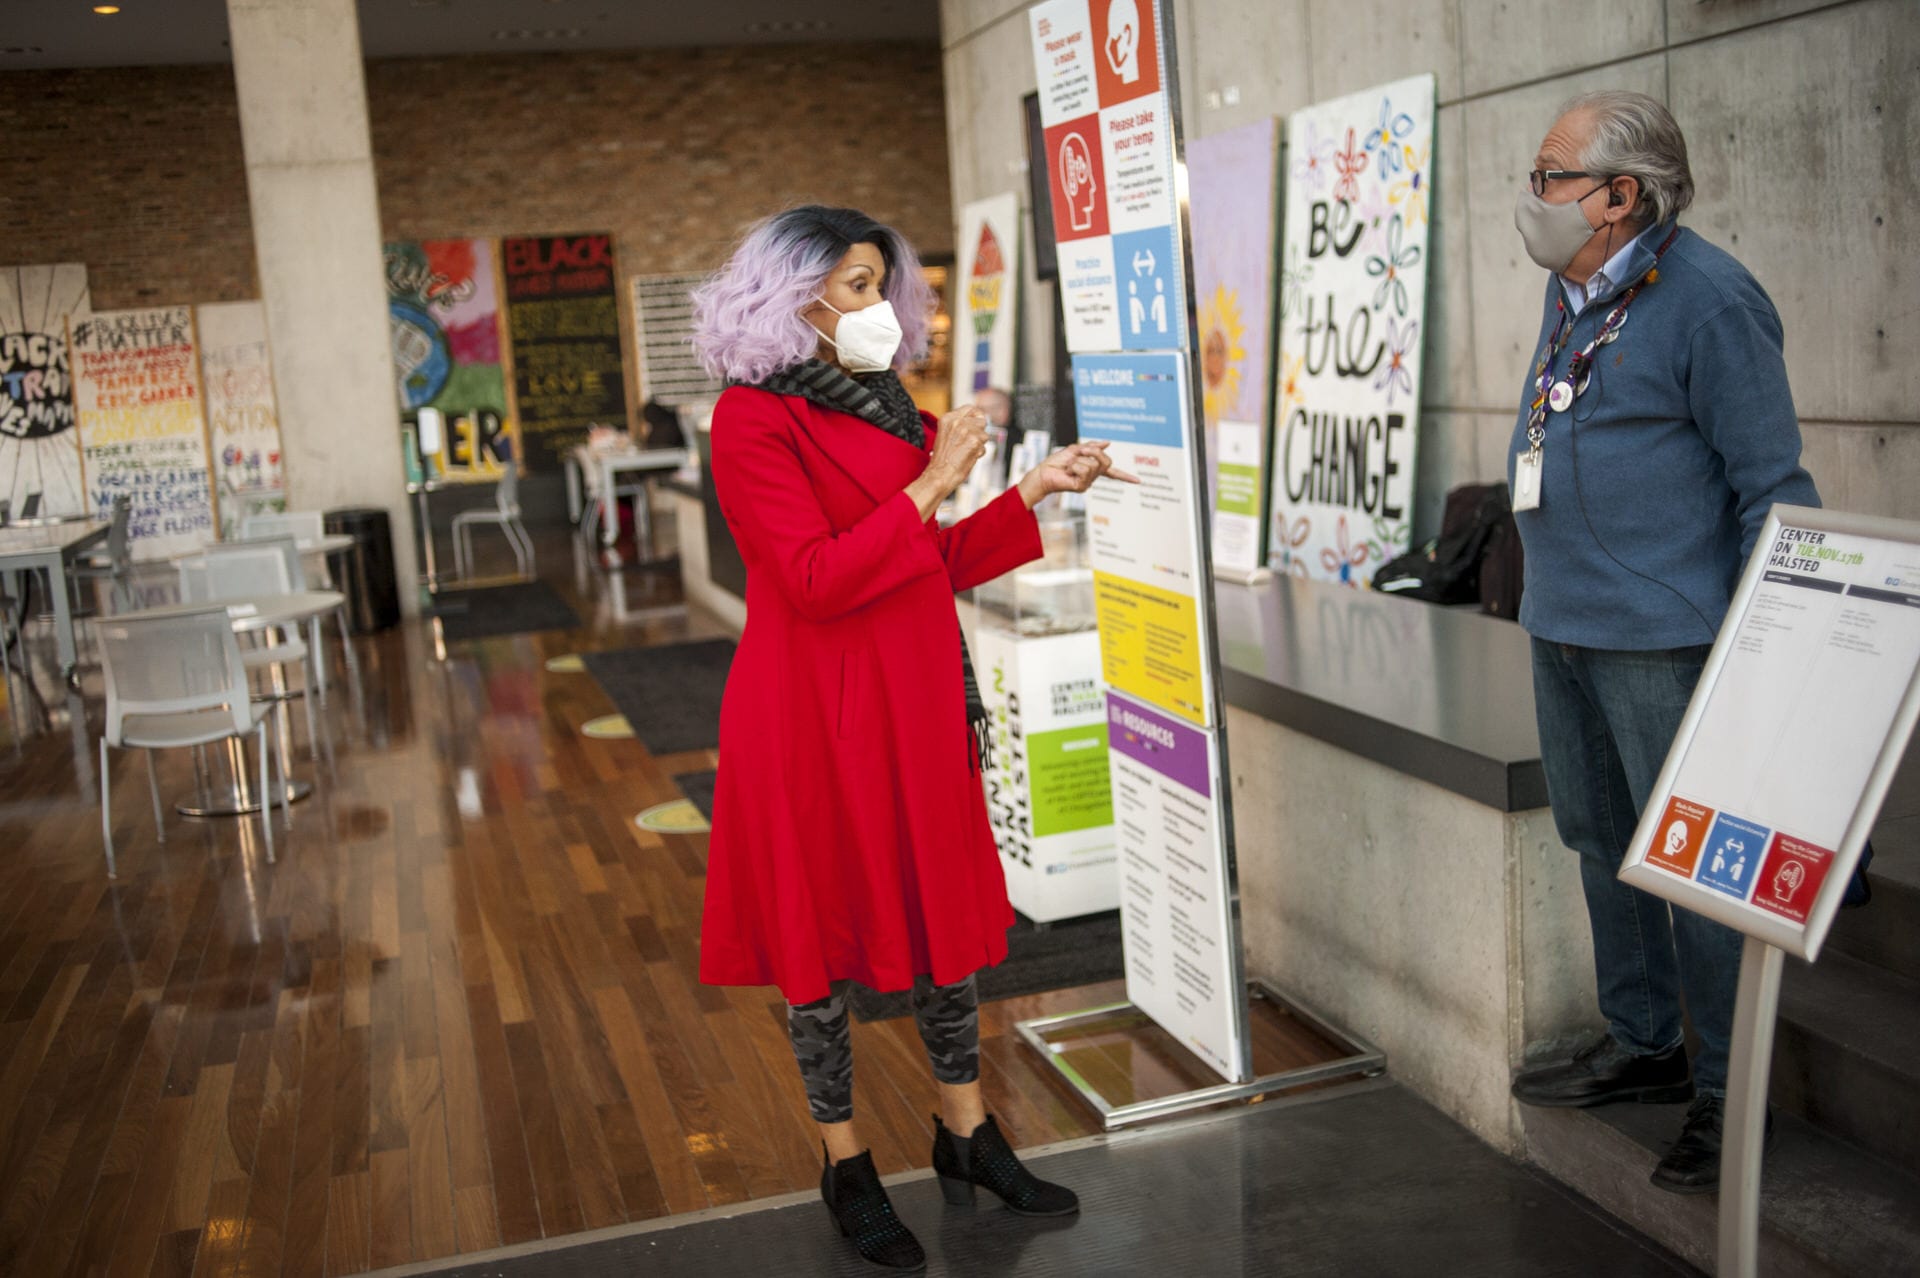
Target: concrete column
<point>316,232</point>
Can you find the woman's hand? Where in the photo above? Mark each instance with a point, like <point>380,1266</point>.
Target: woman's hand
<point>959,441</point>
<point>1071,470</point>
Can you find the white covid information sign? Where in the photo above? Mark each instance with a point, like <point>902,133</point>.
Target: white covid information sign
<point>1800,717</point>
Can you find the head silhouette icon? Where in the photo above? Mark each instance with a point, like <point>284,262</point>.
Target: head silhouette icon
<point>1787,880</point>
<point>1076,181</point>
<point>1676,838</point>
<point>1123,39</point>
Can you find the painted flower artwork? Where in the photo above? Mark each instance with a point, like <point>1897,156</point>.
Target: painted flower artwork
<point>1395,376</point>
<point>1351,347</point>
<point>1386,140</point>
<point>1341,558</point>
<point>1409,194</point>
<point>1390,268</point>
<point>1223,353</point>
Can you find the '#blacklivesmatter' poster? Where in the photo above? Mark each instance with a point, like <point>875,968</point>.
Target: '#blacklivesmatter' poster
<point>1353,298</point>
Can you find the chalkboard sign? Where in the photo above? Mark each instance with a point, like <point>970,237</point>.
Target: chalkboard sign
<point>564,319</point>
<point>143,431</point>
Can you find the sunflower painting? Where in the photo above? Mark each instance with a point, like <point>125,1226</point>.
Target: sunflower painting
<point>1234,180</point>
<point>1223,353</point>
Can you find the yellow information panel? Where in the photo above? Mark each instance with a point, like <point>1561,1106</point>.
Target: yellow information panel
<point>1150,643</point>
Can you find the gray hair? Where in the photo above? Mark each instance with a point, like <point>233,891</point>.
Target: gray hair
<point>1635,136</point>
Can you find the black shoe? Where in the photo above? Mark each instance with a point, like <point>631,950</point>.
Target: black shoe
<point>1692,1166</point>
<point>984,1159</point>
<point>1604,1072</point>
<point>861,1209</point>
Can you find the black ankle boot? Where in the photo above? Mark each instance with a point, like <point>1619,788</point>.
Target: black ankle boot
<point>984,1159</point>
<point>860,1207</point>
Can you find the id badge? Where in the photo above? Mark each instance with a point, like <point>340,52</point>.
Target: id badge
<point>1526,479</point>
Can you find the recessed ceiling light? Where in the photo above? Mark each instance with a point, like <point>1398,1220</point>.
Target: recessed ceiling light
<point>787,27</point>
<point>106,8</point>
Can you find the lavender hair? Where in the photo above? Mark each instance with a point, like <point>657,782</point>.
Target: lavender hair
<point>746,318</point>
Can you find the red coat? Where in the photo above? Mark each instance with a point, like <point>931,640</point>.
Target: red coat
<point>850,835</point>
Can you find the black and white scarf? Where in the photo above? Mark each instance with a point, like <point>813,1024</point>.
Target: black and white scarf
<point>880,400</point>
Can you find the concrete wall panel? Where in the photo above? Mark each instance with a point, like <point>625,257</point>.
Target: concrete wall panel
<point>1448,372</point>
<point>1356,44</point>
<point>962,18</point>
<point>1695,19</point>
<point>313,118</point>
<point>1864,468</point>
<point>1509,42</point>
<point>1255,49</point>
<point>1802,140</point>
<point>1502,133</point>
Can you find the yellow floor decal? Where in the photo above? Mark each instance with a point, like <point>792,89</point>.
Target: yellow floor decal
<point>677,817</point>
<point>608,727</point>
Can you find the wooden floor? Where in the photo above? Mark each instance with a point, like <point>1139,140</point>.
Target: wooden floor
<point>460,1011</point>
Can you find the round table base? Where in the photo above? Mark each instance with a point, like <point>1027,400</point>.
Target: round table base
<point>226,800</point>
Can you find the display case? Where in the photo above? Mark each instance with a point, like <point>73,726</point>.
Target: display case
<point>1054,594</point>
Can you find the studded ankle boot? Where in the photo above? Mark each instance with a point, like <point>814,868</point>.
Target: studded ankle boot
<point>860,1207</point>
<point>984,1159</point>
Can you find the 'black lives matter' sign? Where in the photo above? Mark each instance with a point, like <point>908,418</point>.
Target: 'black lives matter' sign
<point>564,320</point>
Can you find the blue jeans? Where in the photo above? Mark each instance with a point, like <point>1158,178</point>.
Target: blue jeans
<point>1607,719</point>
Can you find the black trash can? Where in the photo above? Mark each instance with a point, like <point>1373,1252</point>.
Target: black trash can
<point>364,573</point>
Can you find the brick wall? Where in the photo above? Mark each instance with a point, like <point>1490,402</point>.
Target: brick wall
<point>138,172</point>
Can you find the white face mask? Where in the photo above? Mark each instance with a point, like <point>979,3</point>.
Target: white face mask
<point>1553,233</point>
<point>867,338</point>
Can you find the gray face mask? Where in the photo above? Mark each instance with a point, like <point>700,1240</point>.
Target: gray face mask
<point>1553,233</point>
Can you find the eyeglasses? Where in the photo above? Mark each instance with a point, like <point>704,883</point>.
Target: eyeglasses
<point>1540,177</point>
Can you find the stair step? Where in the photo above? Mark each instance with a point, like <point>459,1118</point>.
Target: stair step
<point>1827,1208</point>
<point>1886,932</point>
<point>1847,1054</point>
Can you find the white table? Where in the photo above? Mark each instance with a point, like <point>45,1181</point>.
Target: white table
<point>248,616</point>
<point>50,544</point>
<point>420,488</point>
<point>607,465</point>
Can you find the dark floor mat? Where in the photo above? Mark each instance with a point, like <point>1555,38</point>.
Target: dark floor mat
<point>524,607</point>
<point>1364,1181</point>
<point>698,787</point>
<point>1066,954</point>
<point>669,694</point>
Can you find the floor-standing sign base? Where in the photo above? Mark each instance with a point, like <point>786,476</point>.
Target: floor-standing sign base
<point>1043,1034</point>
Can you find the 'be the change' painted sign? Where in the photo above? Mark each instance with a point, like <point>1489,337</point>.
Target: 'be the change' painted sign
<point>1353,310</point>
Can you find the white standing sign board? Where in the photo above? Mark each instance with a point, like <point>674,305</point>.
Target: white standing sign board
<point>1802,713</point>
<point>1799,720</point>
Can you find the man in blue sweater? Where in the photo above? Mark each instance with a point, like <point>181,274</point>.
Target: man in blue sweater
<point>1656,430</point>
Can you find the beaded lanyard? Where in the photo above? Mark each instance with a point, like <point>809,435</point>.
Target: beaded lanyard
<point>1559,395</point>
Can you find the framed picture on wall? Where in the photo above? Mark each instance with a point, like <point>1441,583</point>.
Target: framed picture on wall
<point>1046,263</point>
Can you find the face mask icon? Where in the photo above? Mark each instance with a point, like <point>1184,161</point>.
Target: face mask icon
<point>1787,880</point>
<point>1123,40</point>
<point>1076,180</point>
<point>1676,838</point>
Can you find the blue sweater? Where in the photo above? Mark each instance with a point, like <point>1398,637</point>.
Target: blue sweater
<point>1657,480</point>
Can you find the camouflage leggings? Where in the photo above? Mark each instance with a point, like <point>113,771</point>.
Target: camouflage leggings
<point>949,1021</point>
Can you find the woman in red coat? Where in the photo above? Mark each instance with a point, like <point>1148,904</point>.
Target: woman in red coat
<point>850,837</point>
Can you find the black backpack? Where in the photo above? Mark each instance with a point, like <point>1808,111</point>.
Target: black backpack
<point>1446,570</point>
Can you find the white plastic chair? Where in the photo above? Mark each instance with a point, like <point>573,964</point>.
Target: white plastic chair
<point>308,526</point>
<point>115,563</point>
<point>178,681</point>
<point>255,570</point>
<point>506,514</point>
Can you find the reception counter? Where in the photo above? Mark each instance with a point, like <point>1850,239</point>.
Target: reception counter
<point>1398,869</point>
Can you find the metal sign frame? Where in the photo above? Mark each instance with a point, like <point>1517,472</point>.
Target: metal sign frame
<point>1802,940</point>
